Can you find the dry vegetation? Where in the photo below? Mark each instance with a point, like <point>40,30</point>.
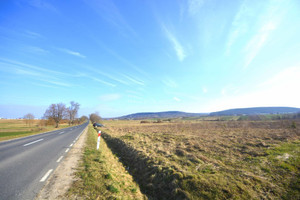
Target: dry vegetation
<point>210,159</point>
<point>14,128</point>
<point>101,175</point>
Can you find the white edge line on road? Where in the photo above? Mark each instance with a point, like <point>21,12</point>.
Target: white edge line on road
<point>46,175</point>
<point>59,159</point>
<point>61,132</point>
<point>71,145</point>
<point>67,150</point>
<point>16,139</point>
<point>32,142</point>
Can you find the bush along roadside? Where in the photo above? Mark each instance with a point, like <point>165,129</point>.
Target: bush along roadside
<point>101,175</point>
<point>155,180</point>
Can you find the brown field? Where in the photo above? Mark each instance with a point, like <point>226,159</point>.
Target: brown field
<point>210,159</point>
<point>15,128</point>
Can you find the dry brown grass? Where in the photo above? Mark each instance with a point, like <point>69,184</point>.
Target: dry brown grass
<point>101,175</point>
<point>206,159</point>
<point>15,128</point>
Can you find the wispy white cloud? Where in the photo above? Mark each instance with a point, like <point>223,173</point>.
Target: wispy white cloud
<point>258,40</point>
<point>255,33</point>
<point>134,80</point>
<point>177,99</point>
<point>110,97</point>
<point>44,85</point>
<point>36,50</point>
<point>32,34</point>
<point>122,59</point>
<point>27,72</point>
<point>56,82</point>
<point>106,75</point>
<point>110,13</point>
<point>194,6</point>
<point>73,53</point>
<point>180,52</point>
<point>239,26</point>
<point>37,73</point>
<point>103,82</point>
<point>41,69</point>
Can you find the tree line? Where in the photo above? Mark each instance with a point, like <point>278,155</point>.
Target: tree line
<point>58,112</point>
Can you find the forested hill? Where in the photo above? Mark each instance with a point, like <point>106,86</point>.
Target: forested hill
<point>168,114</point>
<point>257,111</point>
<point>236,111</point>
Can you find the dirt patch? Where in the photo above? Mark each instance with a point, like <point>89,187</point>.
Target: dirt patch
<point>62,178</point>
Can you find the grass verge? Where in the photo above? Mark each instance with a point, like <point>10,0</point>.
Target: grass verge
<point>101,175</point>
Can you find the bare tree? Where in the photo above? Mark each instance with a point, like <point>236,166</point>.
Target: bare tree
<point>94,117</point>
<point>29,119</point>
<point>56,112</point>
<point>72,111</point>
<point>83,118</point>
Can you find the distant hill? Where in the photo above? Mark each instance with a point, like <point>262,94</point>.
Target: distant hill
<point>236,111</point>
<point>256,111</point>
<point>168,114</point>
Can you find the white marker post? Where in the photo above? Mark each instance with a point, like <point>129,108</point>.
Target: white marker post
<point>98,142</point>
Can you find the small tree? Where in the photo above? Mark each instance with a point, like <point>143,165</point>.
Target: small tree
<point>28,119</point>
<point>94,117</point>
<point>56,112</point>
<point>83,118</point>
<point>72,111</point>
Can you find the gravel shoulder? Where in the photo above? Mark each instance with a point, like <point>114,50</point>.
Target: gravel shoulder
<point>62,178</point>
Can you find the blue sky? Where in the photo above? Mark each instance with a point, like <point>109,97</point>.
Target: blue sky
<point>120,57</point>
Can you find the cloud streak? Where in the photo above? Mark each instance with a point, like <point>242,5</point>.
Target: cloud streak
<point>134,80</point>
<point>34,72</point>
<point>110,13</point>
<point>180,52</point>
<point>257,42</point>
<point>103,82</point>
<point>239,26</point>
<point>73,53</point>
<point>107,75</point>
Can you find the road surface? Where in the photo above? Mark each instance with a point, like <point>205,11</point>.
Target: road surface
<point>26,163</point>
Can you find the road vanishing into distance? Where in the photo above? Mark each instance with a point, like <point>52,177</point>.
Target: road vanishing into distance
<point>26,163</point>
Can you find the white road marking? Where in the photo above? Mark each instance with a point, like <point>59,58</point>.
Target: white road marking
<point>61,132</point>
<point>46,175</point>
<point>59,159</point>
<point>67,150</point>
<point>71,145</point>
<point>32,142</point>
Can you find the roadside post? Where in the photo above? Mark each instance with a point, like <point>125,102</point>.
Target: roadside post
<point>98,141</point>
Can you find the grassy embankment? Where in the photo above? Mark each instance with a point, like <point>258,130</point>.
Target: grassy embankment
<point>15,128</point>
<point>101,175</point>
<point>210,160</point>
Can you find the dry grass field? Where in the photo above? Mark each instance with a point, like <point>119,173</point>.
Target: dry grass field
<point>14,128</point>
<point>210,159</point>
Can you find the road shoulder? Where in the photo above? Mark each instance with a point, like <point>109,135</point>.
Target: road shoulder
<point>62,178</point>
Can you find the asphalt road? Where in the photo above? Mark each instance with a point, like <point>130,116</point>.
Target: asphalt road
<point>26,163</point>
